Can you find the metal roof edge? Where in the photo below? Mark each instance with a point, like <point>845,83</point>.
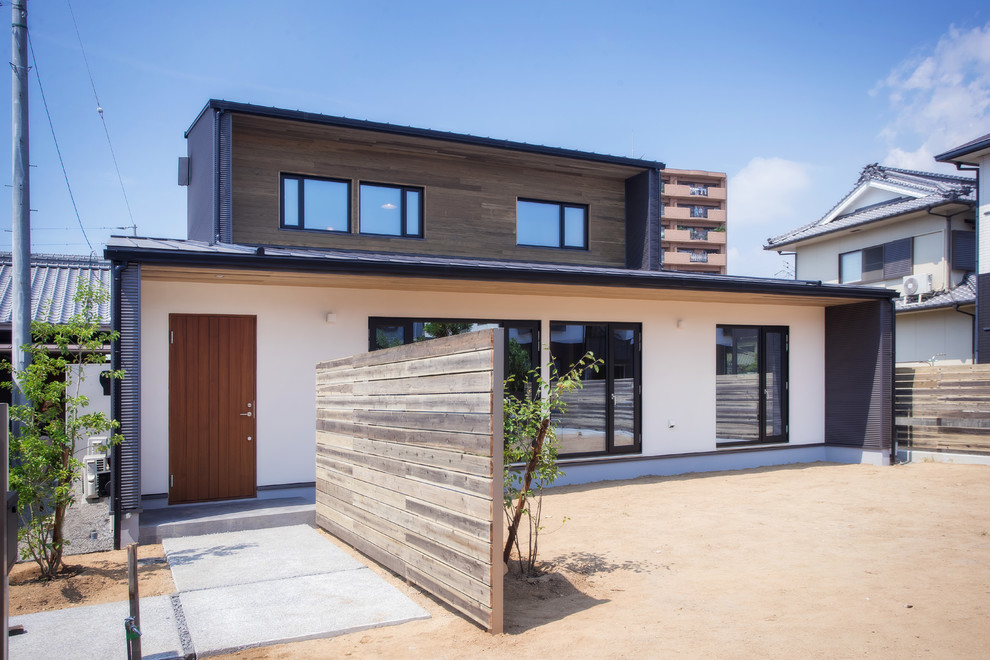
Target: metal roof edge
<point>461,138</point>
<point>979,144</point>
<point>633,279</point>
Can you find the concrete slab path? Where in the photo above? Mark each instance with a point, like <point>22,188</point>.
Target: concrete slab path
<point>235,590</point>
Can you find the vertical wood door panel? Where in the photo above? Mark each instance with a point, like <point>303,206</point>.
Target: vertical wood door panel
<point>212,440</point>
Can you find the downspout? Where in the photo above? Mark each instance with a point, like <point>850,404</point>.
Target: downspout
<point>216,176</point>
<point>976,317</point>
<point>893,382</point>
<point>973,338</point>
<point>116,498</point>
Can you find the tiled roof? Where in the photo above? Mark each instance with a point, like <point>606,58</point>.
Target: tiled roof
<point>55,278</point>
<point>964,294</point>
<point>935,188</point>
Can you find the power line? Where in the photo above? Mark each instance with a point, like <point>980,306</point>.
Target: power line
<point>99,110</point>
<point>51,125</point>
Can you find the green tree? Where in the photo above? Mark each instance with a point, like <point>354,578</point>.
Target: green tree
<point>43,444</point>
<point>530,440</point>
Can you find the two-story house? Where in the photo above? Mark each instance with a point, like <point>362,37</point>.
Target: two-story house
<point>313,237</point>
<point>912,232</point>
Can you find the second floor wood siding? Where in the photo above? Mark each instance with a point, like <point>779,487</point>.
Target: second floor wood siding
<point>469,191</point>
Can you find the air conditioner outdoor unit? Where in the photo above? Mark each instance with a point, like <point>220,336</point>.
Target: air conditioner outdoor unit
<point>915,285</point>
<point>93,464</point>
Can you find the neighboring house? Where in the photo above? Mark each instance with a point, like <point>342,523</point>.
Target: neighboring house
<point>693,217</point>
<point>314,237</point>
<point>912,232</point>
<point>975,156</point>
<point>55,278</point>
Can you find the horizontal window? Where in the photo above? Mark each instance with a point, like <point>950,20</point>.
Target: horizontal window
<point>319,204</point>
<point>391,210</point>
<point>551,224</point>
<point>879,262</point>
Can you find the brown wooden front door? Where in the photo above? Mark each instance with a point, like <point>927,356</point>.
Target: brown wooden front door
<point>211,407</point>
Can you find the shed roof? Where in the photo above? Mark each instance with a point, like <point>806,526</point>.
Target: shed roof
<point>967,153</point>
<point>462,138</point>
<point>271,260</point>
<point>922,191</point>
<point>55,279</point>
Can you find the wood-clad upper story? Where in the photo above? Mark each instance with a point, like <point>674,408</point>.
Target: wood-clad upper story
<point>242,158</point>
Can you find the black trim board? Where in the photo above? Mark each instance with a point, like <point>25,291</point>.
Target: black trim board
<point>521,272</point>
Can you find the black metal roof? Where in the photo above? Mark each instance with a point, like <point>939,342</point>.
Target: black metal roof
<point>955,155</point>
<point>461,138</point>
<point>176,252</point>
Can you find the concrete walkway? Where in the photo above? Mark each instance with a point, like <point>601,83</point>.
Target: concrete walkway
<point>235,590</point>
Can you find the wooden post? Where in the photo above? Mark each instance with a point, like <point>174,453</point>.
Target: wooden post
<point>133,624</point>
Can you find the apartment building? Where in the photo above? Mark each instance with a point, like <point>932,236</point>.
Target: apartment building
<point>693,221</point>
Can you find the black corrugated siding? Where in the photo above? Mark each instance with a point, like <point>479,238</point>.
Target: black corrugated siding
<point>130,387</point>
<point>983,318</point>
<point>643,221</point>
<point>224,231</point>
<point>859,360</point>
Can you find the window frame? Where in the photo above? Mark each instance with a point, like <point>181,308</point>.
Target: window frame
<point>403,208</point>
<point>783,438</point>
<point>562,207</point>
<point>302,178</point>
<point>610,447</point>
<point>886,270</point>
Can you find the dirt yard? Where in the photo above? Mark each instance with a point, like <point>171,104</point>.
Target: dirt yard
<point>819,561</point>
<point>99,577</point>
<point>816,561</point>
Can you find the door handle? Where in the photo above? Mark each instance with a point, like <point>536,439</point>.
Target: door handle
<point>247,414</point>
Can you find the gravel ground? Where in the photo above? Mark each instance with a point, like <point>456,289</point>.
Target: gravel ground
<point>88,525</point>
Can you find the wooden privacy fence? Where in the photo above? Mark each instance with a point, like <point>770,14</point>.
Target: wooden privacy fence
<point>943,408</point>
<point>409,464</point>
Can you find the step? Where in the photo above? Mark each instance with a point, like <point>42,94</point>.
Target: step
<point>213,518</point>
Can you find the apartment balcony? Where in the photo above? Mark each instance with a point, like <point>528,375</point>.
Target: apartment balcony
<point>694,236</point>
<point>680,213</point>
<point>674,259</point>
<point>694,192</point>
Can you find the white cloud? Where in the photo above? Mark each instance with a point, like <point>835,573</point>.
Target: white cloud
<point>767,190</point>
<point>939,100</point>
<point>766,197</point>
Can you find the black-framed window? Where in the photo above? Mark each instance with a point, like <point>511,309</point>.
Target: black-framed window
<point>315,203</point>
<point>603,417</point>
<point>751,384</point>
<point>551,224</point>
<point>878,262</point>
<point>390,210</point>
<point>522,340</point>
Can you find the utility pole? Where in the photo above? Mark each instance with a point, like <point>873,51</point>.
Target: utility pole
<point>21,188</point>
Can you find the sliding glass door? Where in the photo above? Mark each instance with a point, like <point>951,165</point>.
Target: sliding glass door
<point>603,417</point>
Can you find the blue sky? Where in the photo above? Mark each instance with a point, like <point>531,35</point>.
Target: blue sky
<point>791,99</point>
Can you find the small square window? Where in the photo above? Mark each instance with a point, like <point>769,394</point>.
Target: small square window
<point>551,224</point>
<point>391,210</point>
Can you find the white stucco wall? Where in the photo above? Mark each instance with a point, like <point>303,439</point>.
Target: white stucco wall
<point>293,334</point>
<point>944,334</point>
<point>820,260</point>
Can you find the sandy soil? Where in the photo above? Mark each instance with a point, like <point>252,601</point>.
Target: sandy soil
<point>818,561</point>
<point>100,577</point>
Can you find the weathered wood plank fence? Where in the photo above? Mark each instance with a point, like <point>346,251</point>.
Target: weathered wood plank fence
<point>409,464</point>
<point>943,408</point>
